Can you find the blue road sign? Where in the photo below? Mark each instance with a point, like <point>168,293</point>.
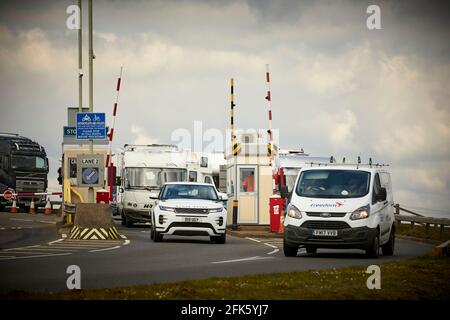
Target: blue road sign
<point>89,175</point>
<point>91,126</point>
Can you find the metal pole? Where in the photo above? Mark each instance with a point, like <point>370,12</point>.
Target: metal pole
<point>91,90</point>
<point>80,64</point>
<point>234,150</point>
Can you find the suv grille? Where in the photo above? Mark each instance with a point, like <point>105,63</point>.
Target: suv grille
<point>191,210</point>
<point>329,214</point>
<point>325,225</point>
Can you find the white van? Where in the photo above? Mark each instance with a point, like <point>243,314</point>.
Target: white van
<point>340,206</point>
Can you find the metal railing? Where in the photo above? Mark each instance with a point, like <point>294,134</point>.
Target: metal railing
<point>420,219</point>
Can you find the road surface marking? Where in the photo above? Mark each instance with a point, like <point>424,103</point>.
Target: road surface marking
<point>274,251</point>
<point>270,245</point>
<point>252,239</point>
<point>59,240</point>
<point>17,219</point>
<point>38,256</point>
<point>127,242</point>
<point>49,222</point>
<point>105,249</point>
<point>242,260</point>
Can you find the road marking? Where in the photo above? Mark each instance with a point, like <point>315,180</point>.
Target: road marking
<point>38,256</point>
<point>105,249</point>
<point>252,239</point>
<point>49,222</point>
<point>274,251</point>
<point>127,242</point>
<point>270,245</point>
<point>17,219</point>
<point>59,240</point>
<point>242,260</point>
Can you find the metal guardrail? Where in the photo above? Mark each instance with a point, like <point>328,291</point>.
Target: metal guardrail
<point>418,218</point>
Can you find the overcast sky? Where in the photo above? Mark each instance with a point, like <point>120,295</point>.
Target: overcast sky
<point>337,88</point>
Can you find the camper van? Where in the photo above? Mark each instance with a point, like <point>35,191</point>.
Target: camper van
<point>144,169</point>
<point>23,168</point>
<point>340,206</point>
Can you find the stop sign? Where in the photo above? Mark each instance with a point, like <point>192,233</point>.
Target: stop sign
<point>8,194</point>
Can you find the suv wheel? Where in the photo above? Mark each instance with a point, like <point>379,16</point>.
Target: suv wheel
<point>219,239</point>
<point>372,251</point>
<point>388,248</point>
<point>155,235</point>
<point>289,251</point>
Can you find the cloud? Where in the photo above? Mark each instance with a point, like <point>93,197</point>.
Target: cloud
<point>141,136</point>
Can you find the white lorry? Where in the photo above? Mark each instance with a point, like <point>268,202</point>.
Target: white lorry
<point>144,169</point>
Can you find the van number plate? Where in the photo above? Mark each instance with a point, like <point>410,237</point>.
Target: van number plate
<point>191,219</point>
<point>325,233</point>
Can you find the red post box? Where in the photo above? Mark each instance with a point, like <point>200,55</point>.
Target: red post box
<point>276,204</point>
<point>102,196</point>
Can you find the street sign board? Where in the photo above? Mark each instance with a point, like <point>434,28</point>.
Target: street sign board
<point>91,126</point>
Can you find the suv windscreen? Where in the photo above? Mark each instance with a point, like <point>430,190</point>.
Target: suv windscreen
<point>329,183</point>
<point>188,191</point>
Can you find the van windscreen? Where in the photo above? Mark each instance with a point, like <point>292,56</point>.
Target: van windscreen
<point>333,183</point>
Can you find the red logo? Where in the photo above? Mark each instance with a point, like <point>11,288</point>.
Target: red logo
<point>339,204</point>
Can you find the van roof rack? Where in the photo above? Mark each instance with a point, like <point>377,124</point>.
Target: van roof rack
<point>370,165</point>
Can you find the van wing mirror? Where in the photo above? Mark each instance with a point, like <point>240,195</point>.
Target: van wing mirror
<point>382,195</point>
<point>121,190</point>
<point>284,192</point>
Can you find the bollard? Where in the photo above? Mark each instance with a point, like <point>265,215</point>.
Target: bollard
<point>32,208</point>
<point>48,207</point>
<point>235,215</point>
<point>14,206</point>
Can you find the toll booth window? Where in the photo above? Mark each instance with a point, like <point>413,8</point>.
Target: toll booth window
<point>192,176</point>
<point>72,167</point>
<point>247,180</point>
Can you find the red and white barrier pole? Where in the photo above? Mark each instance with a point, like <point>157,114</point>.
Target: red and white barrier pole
<point>111,134</point>
<point>270,147</point>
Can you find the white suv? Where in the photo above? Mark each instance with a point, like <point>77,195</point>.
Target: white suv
<point>189,209</point>
<point>341,207</point>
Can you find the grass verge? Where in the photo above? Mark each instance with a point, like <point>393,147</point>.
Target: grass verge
<point>425,277</point>
<point>419,231</point>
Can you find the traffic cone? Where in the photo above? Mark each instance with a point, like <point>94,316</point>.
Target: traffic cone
<point>14,206</point>
<point>281,228</point>
<point>48,207</point>
<point>32,209</point>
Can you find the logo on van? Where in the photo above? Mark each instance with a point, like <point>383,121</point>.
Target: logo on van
<point>337,204</point>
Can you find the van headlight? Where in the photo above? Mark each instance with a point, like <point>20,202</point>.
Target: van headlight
<point>132,204</point>
<point>293,212</point>
<point>360,213</point>
<point>164,208</point>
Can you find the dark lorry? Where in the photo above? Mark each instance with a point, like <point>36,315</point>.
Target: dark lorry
<point>23,168</point>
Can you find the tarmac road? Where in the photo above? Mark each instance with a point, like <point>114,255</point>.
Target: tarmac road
<point>33,258</point>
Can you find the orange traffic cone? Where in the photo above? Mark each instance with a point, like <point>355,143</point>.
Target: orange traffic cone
<point>48,207</point>
<point>281,228</point>
<point>32,209</point>
<point>14,206</point>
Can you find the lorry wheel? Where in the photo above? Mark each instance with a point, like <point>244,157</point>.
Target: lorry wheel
<point>2,207</point>
<point>219,239</point>
<point>372,251</point>
<point>388,248</point>
<point>289,251</point>
<point>311,249</point>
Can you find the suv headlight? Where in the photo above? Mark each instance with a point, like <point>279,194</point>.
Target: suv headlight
<point>164,208</point>
<point>360,213</point>
<point>215,210</point>
<point>293,212</point>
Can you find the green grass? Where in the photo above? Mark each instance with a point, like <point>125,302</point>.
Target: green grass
<point>420,278</point>
<point>419,231</point>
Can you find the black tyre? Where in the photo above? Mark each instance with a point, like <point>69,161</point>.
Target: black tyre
<point>388,248</point>
<point>289,251</point>
<point>222,239</point>
<point>373,250</point>
<point>124,220</point>
<point>311,249</point>
<point>155,235</point>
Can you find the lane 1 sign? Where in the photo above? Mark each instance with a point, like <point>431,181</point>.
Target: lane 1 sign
<point>91,126</point>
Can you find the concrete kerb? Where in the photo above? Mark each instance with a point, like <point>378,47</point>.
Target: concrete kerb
<point>94,221</point>
<point>253,232</point>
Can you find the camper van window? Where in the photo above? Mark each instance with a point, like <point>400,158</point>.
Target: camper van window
<point>174,175</point>
<point>333,184</point>
<point>143,177</point>
<point>192,176</point>
<point>27,162</point>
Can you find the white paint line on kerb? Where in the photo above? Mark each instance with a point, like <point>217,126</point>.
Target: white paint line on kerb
<point>242,260</point>
<point>252,239</point>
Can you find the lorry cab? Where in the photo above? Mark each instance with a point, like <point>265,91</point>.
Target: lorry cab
<point>334,206</point>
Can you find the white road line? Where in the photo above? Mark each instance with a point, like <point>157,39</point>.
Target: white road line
<point>19,248</point>
<point>38,256</point>
<point>105,249</point>
<point>252,239</point>
<point>18,219</point>
<point>270,245</point>
<point>274,251</point>
<point>59,240</point>
<point>49,222</point>
<point>242,260</point>
<point>127,242</point>
<point>26,252</point>
<point>123,236</point>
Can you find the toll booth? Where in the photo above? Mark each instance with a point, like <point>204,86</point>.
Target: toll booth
<point>74,175</point>
<point>250,173</point>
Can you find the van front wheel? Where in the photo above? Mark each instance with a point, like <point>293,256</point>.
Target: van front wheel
<point>388,248</point>
<point>289,251</point>
<point>372,251</point>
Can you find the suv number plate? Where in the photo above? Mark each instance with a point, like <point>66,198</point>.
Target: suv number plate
<point>192,219</point>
